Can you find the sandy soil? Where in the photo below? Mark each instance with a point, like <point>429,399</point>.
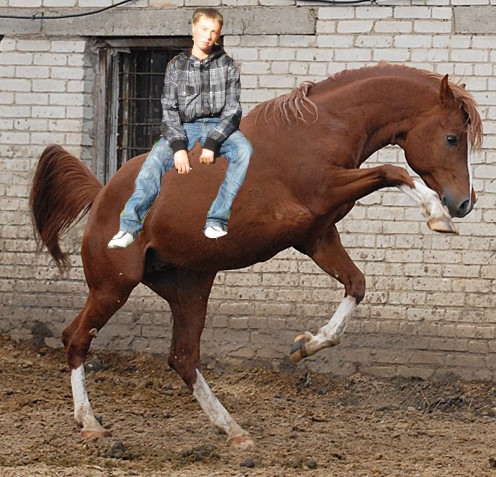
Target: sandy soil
<point>303,423</point>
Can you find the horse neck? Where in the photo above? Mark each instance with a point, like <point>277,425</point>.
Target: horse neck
<point>376,111</point>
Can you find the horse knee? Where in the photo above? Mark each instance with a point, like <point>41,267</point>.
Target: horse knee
<point>356,288</point>
<point>76,345</point>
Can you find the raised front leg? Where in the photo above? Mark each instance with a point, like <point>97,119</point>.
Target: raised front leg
<point>348,185</point>
<point>329,254</point>
<point>438,217</point>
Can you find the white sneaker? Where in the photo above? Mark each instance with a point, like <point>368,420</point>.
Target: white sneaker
<point>214,231</point>
<point>121,240</point>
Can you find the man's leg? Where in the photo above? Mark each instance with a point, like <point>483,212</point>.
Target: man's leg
<point>147,187</point>
<point>237,150</point>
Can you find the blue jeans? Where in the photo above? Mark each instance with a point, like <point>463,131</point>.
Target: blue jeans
<point>236,149</point>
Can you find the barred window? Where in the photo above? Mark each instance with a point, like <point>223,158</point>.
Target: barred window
<point>131,77</point>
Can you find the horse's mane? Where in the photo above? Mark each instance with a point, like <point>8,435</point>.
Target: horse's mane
<point>298,106</point>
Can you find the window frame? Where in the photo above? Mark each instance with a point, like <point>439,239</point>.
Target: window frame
<point>110,54</point>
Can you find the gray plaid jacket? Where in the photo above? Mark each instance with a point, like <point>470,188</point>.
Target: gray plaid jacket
<point>195,89</point>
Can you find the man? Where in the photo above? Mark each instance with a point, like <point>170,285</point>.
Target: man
<point>200,103</point>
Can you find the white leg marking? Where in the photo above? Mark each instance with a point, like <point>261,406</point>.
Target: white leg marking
<point>217,413</point>
<point>333,331</point>
<point>438,217</point>
<point>83,414</point>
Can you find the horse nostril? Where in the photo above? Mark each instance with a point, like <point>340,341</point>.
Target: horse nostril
<point>464,208</point>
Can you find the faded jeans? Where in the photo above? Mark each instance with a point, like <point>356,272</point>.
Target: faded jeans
<point>236,149</point>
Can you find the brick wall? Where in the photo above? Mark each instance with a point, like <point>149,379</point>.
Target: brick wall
<point>429,308</point>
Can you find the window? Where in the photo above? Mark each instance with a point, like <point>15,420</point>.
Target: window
<point>131,77</point>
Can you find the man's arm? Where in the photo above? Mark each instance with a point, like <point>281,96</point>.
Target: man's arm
<point>172,128</point>
<point>231,114</point>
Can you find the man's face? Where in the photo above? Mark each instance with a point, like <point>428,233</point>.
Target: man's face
<point>205,33</point>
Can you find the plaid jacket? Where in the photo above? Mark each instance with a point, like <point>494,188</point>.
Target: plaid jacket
<point>195,89</point>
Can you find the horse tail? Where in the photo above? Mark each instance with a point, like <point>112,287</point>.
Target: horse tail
<point>63,190</point>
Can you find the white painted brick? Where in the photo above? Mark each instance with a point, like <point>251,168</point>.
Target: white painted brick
<point>33,45</point>
<point>374,41</point>
<point>393,27</point>
<point>67,46</point>
<point>413,12</point>
<point>279,68</point>
<point>391,55</point>
<point>15,58</point>
<point>32,71</point>
<point>25,3</point>
<point>48,112</point>
<point>15,84</point>
<point>333,13</point>
<point>476,56</point>
<point>353,54</point>
<point>335,41</point>
<point>48,85</point>
<point>50,59</point>
<point>345,26</point>
<point>324,27</point>
<point>277,54</point>
<point>432,27</point>
<point>413,41</point>
<point>431,55</point>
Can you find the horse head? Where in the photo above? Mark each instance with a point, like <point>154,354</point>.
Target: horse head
<point>438,147</point>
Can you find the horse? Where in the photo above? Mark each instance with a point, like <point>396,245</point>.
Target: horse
<point>303,178</point>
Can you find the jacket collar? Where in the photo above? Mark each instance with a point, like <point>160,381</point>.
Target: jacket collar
<point>215,53</point>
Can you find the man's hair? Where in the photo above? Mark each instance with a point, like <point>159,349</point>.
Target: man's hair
<point>211,13</point>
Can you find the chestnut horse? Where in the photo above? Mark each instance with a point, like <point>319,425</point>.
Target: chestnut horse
<point>303,178</point>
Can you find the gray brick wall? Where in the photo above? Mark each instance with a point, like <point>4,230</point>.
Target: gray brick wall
<point>429,308</point>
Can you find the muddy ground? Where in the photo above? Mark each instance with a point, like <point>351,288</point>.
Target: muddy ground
<point>303,423</point>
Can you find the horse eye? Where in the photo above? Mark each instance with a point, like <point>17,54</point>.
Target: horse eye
<point>452,140</point>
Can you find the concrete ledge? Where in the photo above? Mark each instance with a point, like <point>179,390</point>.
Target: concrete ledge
<point>475,19</point>
<point>163,22</point>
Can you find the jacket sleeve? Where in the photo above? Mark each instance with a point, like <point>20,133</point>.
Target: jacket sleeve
<point>232,112</point>
<point>172,128</point>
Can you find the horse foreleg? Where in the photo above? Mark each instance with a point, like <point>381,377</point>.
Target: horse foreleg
<point>353,184</point>
<point>83,414</point>
<point>438,217</point>
<point>187,293</point>
<point>308,344</point>
<point>329,254</point>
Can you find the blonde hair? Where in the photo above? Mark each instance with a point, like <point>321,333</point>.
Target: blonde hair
<point>211,13</point>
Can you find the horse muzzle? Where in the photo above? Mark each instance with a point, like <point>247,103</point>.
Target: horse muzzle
<point>459,208</point>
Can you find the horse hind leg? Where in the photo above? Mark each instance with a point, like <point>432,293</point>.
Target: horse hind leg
<point>187,293</point>
<point>77,338</point>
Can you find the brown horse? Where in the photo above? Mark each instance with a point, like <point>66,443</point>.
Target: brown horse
<point>304,177</point>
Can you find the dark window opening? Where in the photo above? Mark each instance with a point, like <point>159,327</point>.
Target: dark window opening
<point>129,112</point>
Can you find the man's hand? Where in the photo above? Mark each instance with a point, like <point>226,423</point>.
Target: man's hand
<point>181,162</point>
<point>207,156</point>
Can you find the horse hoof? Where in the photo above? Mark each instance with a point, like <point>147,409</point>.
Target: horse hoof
<point>298,351</point>
<point>241,442</point>
<point>443,225</point>
<point>92,434</point>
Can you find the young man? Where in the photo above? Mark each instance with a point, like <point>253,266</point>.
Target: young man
<point>200,103</point>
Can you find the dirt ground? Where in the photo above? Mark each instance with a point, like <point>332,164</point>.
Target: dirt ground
<point>302,423</point>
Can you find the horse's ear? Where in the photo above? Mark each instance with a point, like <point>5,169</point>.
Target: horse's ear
<point>446,94</point>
